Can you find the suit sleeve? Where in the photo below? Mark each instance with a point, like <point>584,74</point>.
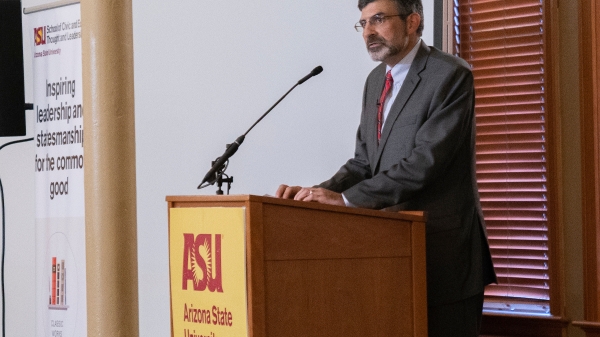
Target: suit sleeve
<point>444,130</point>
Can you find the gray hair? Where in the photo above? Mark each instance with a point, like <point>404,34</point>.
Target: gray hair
<point>405,8</point>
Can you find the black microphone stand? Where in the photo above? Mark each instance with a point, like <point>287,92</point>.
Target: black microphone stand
<point>219,165</point>
<point>221,180</point>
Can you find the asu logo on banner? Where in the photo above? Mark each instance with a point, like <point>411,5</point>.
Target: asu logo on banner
<point>207,255</point>
<point>39,35</point>
<point>201,265</point>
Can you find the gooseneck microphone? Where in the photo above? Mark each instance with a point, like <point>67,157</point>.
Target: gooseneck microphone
<point>218,166</point>
<point>314,72</point>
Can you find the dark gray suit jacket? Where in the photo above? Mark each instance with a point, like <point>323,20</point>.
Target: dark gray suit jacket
<point>426,161</point>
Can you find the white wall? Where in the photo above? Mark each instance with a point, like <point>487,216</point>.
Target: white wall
<point>204,72</point>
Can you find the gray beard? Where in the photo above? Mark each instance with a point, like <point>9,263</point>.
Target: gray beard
<point>383,52</point>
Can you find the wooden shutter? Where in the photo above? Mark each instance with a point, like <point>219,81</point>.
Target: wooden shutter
<point>503,41</point>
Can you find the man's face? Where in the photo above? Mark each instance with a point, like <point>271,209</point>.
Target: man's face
<point>387,42</point>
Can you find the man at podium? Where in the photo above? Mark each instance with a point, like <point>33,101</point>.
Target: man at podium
<point>415,150</point>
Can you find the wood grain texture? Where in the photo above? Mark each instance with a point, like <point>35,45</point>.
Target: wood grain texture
<point>242,199</point>
<point>523,326</point>
<point>339,297</point>
<point>592,329</point>
<point>296,233</point>
<point>589,29</point>
<point>419,281</point>
<point>255,269</point>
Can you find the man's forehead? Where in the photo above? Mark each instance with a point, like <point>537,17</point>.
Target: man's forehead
<point>386,7</point>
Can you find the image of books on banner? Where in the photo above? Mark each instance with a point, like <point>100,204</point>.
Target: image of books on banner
<point>58,285</point>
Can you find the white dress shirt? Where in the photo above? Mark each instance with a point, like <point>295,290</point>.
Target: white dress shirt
<point>399,72</point>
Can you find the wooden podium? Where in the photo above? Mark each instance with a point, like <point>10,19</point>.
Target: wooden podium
<point>319,270</point>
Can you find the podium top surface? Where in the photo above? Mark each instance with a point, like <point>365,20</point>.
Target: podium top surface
<point>237,200</point>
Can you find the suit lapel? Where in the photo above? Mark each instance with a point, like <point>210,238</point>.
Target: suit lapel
<point>408,87</point>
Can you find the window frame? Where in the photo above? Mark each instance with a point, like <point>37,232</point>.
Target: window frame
<point>589,84</point>
<point>518,323</point>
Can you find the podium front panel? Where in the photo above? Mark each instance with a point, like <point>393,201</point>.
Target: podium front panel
<point>208,271</point>
<point>318,270</point>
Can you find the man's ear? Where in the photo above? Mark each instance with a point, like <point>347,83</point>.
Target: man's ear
<point>412,23</point>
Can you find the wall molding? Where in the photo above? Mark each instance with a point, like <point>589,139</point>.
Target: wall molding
<point>523,326</point>
<point>589,72</point>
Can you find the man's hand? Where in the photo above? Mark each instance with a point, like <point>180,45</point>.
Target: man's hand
<point>287,192</point>
<point>316,194</point>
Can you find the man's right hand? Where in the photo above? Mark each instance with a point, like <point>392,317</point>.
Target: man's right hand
<point>287,192</point>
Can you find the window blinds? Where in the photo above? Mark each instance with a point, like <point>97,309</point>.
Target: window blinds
<point>503,41</point>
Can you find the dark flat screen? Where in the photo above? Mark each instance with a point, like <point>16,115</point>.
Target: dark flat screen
<point>12,86</point>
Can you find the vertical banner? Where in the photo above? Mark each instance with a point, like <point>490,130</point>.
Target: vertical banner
<point>60,223</point>
<point>207,254</point>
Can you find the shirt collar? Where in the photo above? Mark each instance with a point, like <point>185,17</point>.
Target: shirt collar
<point>405,63</point>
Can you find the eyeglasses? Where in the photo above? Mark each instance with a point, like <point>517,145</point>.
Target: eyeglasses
<point>375,20</point>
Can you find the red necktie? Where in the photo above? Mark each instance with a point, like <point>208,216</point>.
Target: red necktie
<point>389,82</point>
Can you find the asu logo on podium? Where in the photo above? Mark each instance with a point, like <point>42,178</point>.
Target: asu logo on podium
<point>202,263</point>
<point>207,269</point>
<point>39,35</point>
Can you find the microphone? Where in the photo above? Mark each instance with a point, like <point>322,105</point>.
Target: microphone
<point>219,164</point>
<point>314,72</point>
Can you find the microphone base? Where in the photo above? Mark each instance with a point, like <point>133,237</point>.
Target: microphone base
<point>221,180</point>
